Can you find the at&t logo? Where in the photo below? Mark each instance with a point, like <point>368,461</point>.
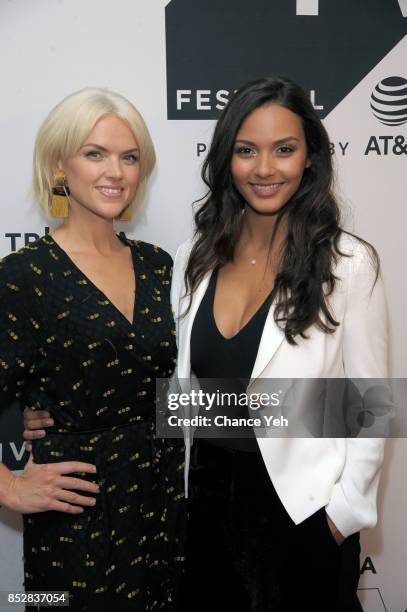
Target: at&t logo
<point>389,101</point>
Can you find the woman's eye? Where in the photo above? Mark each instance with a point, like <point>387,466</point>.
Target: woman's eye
<point>244,151</point>
<point>285,150</point>
<point>93,154</point>
<point>131,158</point>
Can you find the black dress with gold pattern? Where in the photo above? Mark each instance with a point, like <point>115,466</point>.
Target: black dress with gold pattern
<point>65,348</point>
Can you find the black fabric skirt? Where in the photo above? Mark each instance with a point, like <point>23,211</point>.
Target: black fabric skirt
<point>245,554</point>
<point>126,552</point>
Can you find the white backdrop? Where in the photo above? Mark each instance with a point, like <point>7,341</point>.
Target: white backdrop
<point>50,48</point>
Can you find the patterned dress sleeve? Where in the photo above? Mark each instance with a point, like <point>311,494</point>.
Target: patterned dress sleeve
<point>18,344</point>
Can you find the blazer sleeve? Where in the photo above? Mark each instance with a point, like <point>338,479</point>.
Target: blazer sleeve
<point>18,345</point>
<point>365,355</point>
<point>178,283</point>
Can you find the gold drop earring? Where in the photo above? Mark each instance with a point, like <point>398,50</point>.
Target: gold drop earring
<point>59,206</point>
<point>126,214</point>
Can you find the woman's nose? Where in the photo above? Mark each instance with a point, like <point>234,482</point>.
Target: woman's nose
<point>114,168</point>
<point>265,165</point>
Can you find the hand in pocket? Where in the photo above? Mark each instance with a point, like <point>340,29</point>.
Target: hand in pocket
<point>336,534</point>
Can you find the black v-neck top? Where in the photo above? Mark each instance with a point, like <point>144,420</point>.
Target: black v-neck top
<point>226,364</point>
<point>63,255</point>
<point>67,349</point>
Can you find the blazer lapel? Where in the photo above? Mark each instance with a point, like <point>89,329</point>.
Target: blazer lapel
<point>271,339</point>
<point>185,328</point>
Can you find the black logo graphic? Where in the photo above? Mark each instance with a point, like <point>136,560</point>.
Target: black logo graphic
<point>389,101</point>
<point>214,47</point>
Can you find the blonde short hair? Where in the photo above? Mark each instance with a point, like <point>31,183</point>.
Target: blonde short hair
<point>66,128</point>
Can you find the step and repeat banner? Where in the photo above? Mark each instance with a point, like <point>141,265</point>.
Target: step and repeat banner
<point>180,62</point>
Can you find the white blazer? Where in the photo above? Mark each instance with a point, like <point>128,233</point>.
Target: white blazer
<point>308,473</point>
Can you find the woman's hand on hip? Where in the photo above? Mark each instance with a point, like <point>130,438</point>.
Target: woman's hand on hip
<point>35,422</point>
<point>43,487</point>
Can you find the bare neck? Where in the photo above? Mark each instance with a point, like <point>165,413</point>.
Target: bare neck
<point>85,232</point>
<point>261,232</point>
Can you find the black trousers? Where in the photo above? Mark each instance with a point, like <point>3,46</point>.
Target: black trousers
<point>245,554</point>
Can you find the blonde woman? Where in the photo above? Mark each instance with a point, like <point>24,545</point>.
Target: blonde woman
<point>86,328</point>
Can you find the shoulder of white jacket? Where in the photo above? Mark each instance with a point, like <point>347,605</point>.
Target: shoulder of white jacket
<point>354,251</point>
<point>183,251</point>
<point>353,245</point>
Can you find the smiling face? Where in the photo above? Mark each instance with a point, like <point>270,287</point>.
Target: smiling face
<point>269,158</point>
<point>103,175</point>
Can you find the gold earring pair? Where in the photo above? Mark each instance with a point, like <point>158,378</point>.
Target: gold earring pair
<point>59,206</point>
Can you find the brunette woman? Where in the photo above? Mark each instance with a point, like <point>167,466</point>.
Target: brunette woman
<point>272,287</point>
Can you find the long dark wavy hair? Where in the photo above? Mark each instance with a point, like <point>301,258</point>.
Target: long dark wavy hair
<point>305,277</point>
